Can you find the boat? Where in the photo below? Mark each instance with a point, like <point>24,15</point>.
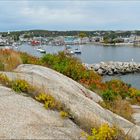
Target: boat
<point>41,50</point>
<point>77,51</point>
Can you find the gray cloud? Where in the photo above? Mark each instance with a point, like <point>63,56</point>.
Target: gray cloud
<point>69,15</point>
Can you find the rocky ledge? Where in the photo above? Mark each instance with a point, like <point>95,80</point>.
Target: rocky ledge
<point>112,68</point>
<point>23,118</point>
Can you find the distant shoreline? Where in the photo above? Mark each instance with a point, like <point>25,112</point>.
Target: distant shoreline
<point>116,44</point>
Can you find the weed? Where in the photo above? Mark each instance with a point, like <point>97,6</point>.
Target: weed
<point>48,101</point>
<point>64,114</point>
<point>20,86</point>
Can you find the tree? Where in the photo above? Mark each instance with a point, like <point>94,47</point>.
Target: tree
<point>82,35</point>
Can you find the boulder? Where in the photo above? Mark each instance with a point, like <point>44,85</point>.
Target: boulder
<point>100,71</point>
<point>96,67</point>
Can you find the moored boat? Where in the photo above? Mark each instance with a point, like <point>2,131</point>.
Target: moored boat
<point>41,50</point>
<point>77,51</point>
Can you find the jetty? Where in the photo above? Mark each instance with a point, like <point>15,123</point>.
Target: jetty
<point>114,67</point>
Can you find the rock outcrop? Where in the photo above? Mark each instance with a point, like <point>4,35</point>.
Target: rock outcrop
<point>22,117</point>
<point>80,102</point>
<point>112,68</point>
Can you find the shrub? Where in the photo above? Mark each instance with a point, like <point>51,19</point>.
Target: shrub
<point>134,95</point>
<point>28,59</point>
<point>119,88</point>
<point>48,101</point>
<point>105,132</point>
<point>64,114</point>
<point>71,67</point>
<point>20,86</point>
<point>109,95</point>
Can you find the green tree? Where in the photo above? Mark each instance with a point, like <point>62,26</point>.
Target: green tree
<point>82,35</point>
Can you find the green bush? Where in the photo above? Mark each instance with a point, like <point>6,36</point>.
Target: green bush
<point>69,66</point>
<point>118,87</point>
<point>109,95</point>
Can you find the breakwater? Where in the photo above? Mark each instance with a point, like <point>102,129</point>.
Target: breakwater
<point>112,68</point>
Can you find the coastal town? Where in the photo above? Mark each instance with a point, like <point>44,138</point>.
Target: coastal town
<point>76,38</point>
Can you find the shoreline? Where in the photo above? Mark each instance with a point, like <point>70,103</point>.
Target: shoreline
<point>116,44</point>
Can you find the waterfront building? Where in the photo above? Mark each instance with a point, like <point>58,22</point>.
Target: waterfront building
<point>71,40</point>
<point>137,41</point>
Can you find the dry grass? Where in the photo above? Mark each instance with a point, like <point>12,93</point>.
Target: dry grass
<point>120,107</point>
<point>9,60</point>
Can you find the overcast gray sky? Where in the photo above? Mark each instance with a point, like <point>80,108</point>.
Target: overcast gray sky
<point>69,15</point>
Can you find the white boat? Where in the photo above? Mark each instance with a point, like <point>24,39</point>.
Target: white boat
<point>41,50</point>
<point>77,51</point>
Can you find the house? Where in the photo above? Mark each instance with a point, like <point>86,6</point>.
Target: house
<point>129,39</point>
<point>85,40</point>
<point>96,39</point>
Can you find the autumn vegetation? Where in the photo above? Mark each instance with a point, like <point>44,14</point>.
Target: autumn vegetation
<point>117,95</point>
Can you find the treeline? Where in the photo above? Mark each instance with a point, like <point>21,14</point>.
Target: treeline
<point>46,33</point>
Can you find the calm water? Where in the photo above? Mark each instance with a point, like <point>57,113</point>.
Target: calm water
<point>97,53</point>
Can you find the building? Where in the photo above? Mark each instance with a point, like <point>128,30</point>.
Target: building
<point>137,41</point>
<point>96,39</point>
<point>71,40</point>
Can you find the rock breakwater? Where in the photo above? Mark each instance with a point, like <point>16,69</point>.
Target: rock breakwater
<point>112,68</point>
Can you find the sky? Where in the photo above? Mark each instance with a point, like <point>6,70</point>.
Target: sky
<point>69,15</point>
